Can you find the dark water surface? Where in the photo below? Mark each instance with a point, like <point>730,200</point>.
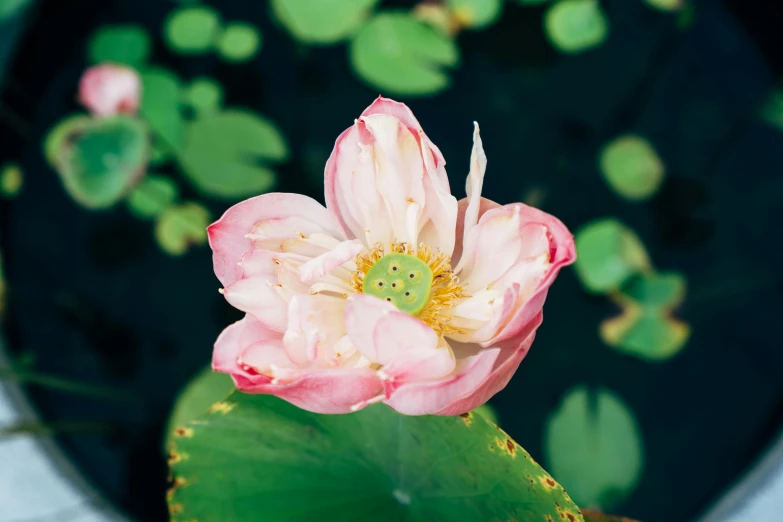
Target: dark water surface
<point>93,299</point>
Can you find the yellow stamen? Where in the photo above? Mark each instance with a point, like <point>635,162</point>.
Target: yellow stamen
<point>445,288</point>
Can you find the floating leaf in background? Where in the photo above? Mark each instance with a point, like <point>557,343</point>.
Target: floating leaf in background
<point>99,160</point>
<point>631,167</point>
<point>646,328</point>
<point>226,153</point>
<point>11,180</point>
<point>772,110</point>
<point>593,445</point>
<point>192,30</point>
<point>124,44</point>
<point>10,8</point>
<point>205,95</point>
<point>322,21</point>
<point>374,464</point>
<point>238,42</point>
<point>609,254</point>
<point>666,5</point>
<point>58,135</point>
<point>576,25</point>
<point>160,106</point>
<point>152,196</point>
<point>439,16</point>
<point>204,390</point>
<point>476,14</point>
<point>400,54</point>
<point>181,226</point>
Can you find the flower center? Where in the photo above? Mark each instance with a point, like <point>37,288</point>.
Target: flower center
<point>420,283</point>
<point>403,280</point>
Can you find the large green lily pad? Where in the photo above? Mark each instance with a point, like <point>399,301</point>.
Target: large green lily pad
<point>256,457</point>
<point>322,21</point>
<point>400,54</point>
<point>203,391</point>
<point>99,160</point>
<point>594,446</point>
<point>227,154</point>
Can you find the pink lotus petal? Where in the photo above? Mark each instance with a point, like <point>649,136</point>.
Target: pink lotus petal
<point>228,236</point>
<point>318,267</point>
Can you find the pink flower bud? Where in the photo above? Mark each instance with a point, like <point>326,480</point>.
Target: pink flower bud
<point>108,89</point>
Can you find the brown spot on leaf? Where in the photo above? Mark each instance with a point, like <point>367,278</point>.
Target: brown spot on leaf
<point>571,517</point>
<point>510,446</point>
<point>549,518</point>
<point>177,483</point>
<point>175,509</point>
<point>174,457</point>
<point>466,418</point>
<point>183,432</point>
<point>547,482</point>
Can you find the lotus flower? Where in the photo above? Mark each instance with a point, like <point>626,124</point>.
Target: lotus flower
<point>395,292</point>
<point>108,89</point>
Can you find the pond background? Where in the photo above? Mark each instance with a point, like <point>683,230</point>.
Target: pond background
<point>93,299</point>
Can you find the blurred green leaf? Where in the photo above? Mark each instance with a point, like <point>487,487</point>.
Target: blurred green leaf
<point>374,464</point>
<point>192,30</point>
<point>11,180</point>
<point>532,2</point>
<point>609,253</point>
<point>646,328</point>
<point>100,159</point>
<point>238,42</point>
<point>631,167</point>
<point>666,5</point>
<point>400,54</point>
<point>594,446</point>
<point>576,25</point>
<point>11,8</point>
<point>476,14</point>
<point>226,154</point>
<point>152,197</point>
<point>204,390</point>
<point>205,95</point>
<point>160,106</point>
<point>181,226</point>
<point>772,110</point>
<point>125,44</point>
<point>686,16</point>
<point>323,21</point>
